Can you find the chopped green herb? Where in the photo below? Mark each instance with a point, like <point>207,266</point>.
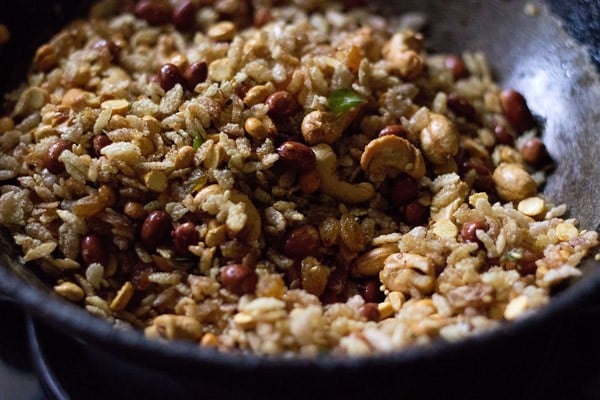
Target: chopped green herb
<point>343,100</point>
<point>196,143</point>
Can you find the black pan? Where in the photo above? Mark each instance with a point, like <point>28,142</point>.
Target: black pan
<point>532,54</point>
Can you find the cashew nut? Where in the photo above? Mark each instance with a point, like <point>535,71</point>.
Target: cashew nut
<point>251,227</point>
<point>439,139</point>
<point>171,326</point>
<point>513,183</point>
<point>405,272</point>
<point>387,154</point>
<point>330,182</point>
<point>325,127</point>
<point>402,54</point>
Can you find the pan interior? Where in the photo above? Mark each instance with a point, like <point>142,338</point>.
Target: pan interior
<point>529,53</point>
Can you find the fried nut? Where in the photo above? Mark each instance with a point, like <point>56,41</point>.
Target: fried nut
<point>253,227</point>
<point>371,262</point>
<point>402,54</point>
<point>123,297</point>
<point>396,299</point>
<point>156,181</point>
<point>405,272</point>
<point>178,327</point>
<point>258,94</point>
<point>32,99</point>
<point>221,31</point>
<point>260,129</point>
<point>70,291</point>
<point>185,157</point>
<point>220,70</point>
<point>445,229</point>
<point>209,340</point>
<point>118,106</point>
<point>532,206</point>
<point>516,307</point>
<point>46,58</point>
<point>325,127</point>
<point>388,154</point>
<point>309,181</point>
<point>146,146</point>
<point>439,139</point>
<point>75,97</point>
<point>566,231</point>
<point>513,183</point>
<point>386,310</point>
<point>215,156</point>
<point>332,185</point>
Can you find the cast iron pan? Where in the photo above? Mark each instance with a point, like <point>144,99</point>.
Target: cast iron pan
<point>532,54</point>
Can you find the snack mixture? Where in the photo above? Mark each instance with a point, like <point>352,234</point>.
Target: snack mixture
<point>279,179</point>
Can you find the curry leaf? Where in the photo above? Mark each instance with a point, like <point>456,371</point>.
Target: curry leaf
<point>196,143</point>
<point>343,100</point>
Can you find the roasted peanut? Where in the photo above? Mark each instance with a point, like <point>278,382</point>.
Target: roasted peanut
<point>185,235</point>
<point>513,183</point>
<point>394,130</point>
<point>93,251</point>
<point>534,152</point>
<point>281,104</point>
<point>301,242</point>
<point>403,190</point>
<point>461,107</point>
<point>239,279</point>
<point>51,156</point>
<point>516,110</point>
<point>369,289</point>
<point>371,262</point>
<point>503,135</point>
<point>309,181</point>
<point>457,66</point>
<point>107,45</point>
<point>6,124</point>
<point>46,58</point>
<point>296,156</point>
<point>370,311</point>
<point>258,129</point>
<point>184,15</point>
<point>155,227</point>
<point>70,291</point>
<point>415,213</point>
<point>194,74</point>
<point>439,139</point>
<point>153,12</point>
<point>169,75</point>
<point>469,230</point>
